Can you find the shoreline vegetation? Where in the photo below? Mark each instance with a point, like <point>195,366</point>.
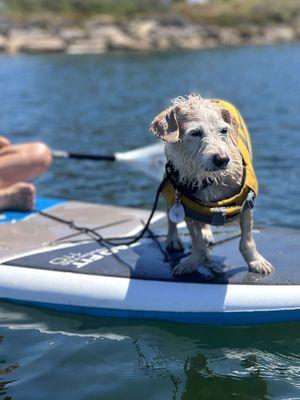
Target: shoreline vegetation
<point>98,26</point>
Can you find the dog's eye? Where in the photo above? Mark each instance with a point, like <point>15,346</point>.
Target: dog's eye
<point>197,132</point>
<point>224,131</point>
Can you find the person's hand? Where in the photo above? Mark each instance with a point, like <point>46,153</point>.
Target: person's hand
<point>4,142</point>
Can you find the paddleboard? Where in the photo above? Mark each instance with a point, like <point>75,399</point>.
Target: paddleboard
<point>46,263</point>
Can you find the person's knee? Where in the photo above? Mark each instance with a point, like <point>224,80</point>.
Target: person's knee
<point>40,155</point>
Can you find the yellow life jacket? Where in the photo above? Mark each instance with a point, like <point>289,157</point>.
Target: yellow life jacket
<point>222,211</point>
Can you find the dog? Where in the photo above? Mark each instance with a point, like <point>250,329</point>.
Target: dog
<point>209,177</point>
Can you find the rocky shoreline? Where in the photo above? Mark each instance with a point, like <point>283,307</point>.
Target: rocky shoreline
<point>103,34</point>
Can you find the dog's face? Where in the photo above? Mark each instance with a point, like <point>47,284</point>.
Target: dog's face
<point>199,137</point>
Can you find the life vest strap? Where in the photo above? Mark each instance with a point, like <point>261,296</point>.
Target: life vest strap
<point>219,216</point>
<point>249,202</point>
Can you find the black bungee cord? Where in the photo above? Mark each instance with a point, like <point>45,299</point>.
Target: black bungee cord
<point>115,241</point>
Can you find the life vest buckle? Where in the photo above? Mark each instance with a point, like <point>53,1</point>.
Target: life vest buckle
<point>249,202</point>
<point>218,216</point>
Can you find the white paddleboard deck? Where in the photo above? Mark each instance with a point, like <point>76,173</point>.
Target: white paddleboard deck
<point>46,263</point>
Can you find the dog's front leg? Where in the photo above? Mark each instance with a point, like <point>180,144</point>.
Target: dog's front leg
<point>174,242</point>
<point>199,252</point>
<point>256,262</point>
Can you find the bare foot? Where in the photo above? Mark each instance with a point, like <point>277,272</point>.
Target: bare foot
<point>4,142</point>
<point>18,197</point>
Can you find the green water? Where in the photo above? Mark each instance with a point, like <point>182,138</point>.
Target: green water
<point>59,356</point>
<point>105,103</point>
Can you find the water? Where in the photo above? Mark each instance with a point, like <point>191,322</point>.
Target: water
<point>103,104</point>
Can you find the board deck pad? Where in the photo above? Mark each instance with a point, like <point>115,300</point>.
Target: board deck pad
<point>144,260</point>
<point>36,231</point>
<point>42,203</point>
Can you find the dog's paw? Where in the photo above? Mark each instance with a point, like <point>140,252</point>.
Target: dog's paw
<point>187,266</point>
<point>208,235</point>
<point>174,245</point>
<point>216,267</point>
<point>261,266</point>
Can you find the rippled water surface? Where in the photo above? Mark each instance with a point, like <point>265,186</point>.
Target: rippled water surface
<point>103,104</point>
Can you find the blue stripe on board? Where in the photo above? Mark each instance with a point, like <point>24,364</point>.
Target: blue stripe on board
<point>42,203</point>
<point>207,318</point>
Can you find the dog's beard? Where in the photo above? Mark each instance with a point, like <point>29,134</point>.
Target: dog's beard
<point>193,172</point>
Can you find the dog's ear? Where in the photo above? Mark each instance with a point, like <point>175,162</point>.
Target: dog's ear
<point>231,120</point>
<point>165,126</point>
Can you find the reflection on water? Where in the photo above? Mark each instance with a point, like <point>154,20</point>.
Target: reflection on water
<point>128,359</point>
<point>204,382</point>
<point>5,369</point>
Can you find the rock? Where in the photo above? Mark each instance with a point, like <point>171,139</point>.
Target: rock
<point>3,43</point>
<point>193,38</point>
<point>278,34</point>
<point>187,37</point>
<point>45,44</point>
<point>229,37</point>
<point>114,37</point>
<point>87,46</point>
<point>248,33</point>
<point>34,41</point>
<point>297,33</point>
<point>143,29</point>
<point>94,22</point>
<point>71,34</point>
<point>169,33</point>
<point>161,35</point>
<point>105,33</point>
<point>143,33</point>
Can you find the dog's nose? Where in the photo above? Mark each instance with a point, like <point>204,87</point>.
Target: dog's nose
<point>220,161</point>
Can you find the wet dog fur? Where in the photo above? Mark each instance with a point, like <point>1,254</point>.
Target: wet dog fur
<point>200,141</point>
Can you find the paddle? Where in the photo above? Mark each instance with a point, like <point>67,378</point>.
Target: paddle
<point>149,159</point>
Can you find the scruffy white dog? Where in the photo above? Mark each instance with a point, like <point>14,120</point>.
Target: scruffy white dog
<point>210,177</point>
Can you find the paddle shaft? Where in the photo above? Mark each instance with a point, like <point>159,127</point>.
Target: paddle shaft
<point>149,160</point>
<point>83,156</point>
